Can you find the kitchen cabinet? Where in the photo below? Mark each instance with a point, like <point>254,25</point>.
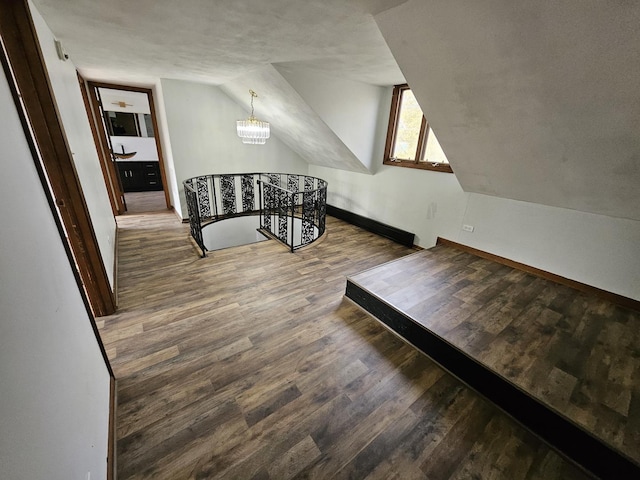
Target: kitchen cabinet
<point>139,176</point>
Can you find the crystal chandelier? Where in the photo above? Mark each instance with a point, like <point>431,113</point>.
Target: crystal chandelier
<point>253,131</point>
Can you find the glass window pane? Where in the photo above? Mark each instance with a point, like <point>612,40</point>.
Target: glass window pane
<point>433,151</point>
<point>408,129</point>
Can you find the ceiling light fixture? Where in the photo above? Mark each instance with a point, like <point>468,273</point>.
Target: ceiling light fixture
<point>253,131</point>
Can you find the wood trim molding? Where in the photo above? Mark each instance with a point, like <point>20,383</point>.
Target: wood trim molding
<point>154,121</point>
<point>422,138</point>
<point>111,445</point>
<point>97,141</point>
<point>112,178</point>
<point>440,167</point>
<point>583,287</point>
<point>29,71</point>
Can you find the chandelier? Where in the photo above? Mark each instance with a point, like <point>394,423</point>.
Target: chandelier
<point>253,131</point>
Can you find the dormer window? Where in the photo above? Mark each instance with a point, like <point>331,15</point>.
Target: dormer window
<point>408,134</point>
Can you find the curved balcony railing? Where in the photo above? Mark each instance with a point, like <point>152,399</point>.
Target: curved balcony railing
<point>292,207</point>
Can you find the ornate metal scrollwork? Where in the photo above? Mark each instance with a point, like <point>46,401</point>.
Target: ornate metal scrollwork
<point>292,182</point>
<point>195,223</point>
<point>228,192</point>
<point>248,194</point>
<point>300,206</point>
<point>308,214</point>
<point>204,203</point>
<point>308,183</point>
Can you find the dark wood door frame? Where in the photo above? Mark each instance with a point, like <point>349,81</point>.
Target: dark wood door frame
<point>104,156</point>
<point>93,86</point>
<point>28,68</point>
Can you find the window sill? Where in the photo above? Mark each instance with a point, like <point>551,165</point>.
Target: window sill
<point>440,167</point>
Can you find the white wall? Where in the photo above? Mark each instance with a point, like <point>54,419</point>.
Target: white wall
<point>349,108</point>
<point>594,249</point>
<point>54,385</point>
<point>201,122</point>
<point>167,151</point>
<point>355,111</point>
<point>429,204</point>
<point>145,148</point>
<point>78,132</point>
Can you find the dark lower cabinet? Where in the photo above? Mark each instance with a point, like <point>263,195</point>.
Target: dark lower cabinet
<point>140,176</point>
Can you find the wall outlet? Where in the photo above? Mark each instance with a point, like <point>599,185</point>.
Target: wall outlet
<point>467,228</point>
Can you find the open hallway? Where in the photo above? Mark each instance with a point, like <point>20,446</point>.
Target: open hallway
<point>251,364</point>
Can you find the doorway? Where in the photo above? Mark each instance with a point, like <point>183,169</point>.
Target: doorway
<point>126,135</point>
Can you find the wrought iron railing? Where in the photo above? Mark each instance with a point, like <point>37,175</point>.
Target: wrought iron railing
<point>292,207</point>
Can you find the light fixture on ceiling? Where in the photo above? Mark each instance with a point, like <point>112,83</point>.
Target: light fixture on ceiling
<point>253,131</point>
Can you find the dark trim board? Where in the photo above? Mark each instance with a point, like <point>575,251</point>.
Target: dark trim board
<point>111,446</point>
<point>396,234</point>
<point>565,436</point>
<point>583,287</point>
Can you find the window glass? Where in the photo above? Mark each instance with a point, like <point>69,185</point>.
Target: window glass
<point>410,141</point>
<point>408,130</point>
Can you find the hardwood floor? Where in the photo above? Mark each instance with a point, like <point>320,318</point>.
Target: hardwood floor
<point>143,202</point>
<point>250,363</point>
<point>577,353</point>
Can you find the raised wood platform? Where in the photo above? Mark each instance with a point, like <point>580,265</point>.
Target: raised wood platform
<point>565,364</point>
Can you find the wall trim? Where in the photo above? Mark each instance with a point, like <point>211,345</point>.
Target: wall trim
<point>583,287</point>
<point>97,141</point>
<point>393,233</point>
<point>111,439</point>
<point>178,216</point>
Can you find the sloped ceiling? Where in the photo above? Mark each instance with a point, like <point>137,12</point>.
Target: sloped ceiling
<point>535,101</point>
<point>234,44</point>
<point>217,41</point>
<point>292,120</point>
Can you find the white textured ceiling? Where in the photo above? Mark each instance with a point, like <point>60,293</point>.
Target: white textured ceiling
<point>292,119</point>
<point>534,101</point>
<point>139,41</point>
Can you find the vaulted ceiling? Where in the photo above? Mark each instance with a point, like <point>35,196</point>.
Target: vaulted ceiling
<point>218,41</point>
<point>535,101</point>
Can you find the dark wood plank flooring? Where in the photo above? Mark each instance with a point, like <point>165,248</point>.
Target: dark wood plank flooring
<point>251,364</point>
<point>143,202</point>
<point>576,353</point>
